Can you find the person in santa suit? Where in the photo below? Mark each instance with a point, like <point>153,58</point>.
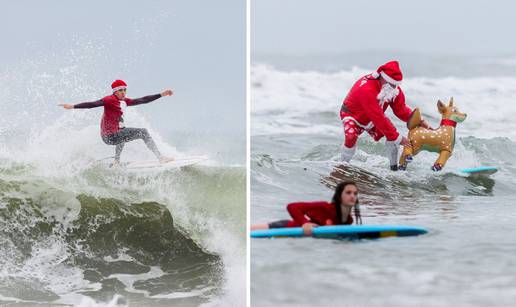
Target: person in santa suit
<point>364,109</point>
<point>112,128</point>
<point>322,213</point>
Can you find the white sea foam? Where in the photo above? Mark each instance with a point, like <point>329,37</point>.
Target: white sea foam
<point>59,145</point>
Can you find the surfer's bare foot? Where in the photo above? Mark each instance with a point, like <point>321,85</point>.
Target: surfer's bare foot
<point>166,159</point>
<point>115,163</point>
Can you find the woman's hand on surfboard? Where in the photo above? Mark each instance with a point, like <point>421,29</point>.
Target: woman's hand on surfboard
<point>167,93</point>
<point>308,227</point>
<point>66,106</point>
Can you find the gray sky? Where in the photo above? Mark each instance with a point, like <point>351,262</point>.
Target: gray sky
<point>332,26</point>
<point>195,47</point>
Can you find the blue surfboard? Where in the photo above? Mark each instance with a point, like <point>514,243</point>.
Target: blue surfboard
<point>482,170</point>
<point>343,232</point>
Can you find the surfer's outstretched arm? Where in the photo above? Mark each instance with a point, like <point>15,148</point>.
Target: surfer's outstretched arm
<point>84,105</point>
<point>89,105</point>
<point>142,100</point>
<point>149,98</point>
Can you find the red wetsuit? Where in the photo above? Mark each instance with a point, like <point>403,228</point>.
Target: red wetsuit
<point>112,116</point>
<point>361,111</point>
<point>318,212</point>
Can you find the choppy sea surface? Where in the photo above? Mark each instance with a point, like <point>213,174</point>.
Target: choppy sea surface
<point>467,259</point>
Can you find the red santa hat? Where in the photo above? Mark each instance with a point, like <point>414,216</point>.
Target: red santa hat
<point>390,71</point>
<point>118,85</point>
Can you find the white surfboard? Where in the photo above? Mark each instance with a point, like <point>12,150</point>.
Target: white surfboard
<point>155,164</point>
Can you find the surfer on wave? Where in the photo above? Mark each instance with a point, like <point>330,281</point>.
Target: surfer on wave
<point>321,213</point>
<point>364,109</point>
<point>112,127</point>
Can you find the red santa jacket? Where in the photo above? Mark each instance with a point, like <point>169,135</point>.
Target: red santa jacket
<point>319,212</point>
<point>112,116</point>
<point>362,105</point>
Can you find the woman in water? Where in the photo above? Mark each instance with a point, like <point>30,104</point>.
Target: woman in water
<point>321,213</point>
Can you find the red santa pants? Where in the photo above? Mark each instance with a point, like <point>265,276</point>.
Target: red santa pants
<point>352,131</point>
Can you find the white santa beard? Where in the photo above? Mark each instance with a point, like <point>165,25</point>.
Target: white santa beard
<point>387,93</point>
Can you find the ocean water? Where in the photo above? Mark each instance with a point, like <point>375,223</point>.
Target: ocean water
<point>467,259</point>
<point>74,232</point>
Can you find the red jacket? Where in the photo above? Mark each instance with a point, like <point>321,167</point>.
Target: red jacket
<point>362,105</point>
<point>318,212</point>
<point>112,114</point>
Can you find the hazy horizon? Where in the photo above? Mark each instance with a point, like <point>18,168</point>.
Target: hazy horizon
<point>303,27</point>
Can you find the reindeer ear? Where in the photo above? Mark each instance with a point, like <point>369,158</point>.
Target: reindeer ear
<point>451,102</point>
<point>440,106</point>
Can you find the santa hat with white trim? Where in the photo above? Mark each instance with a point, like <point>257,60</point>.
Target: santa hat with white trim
<point>390,71</point>
<point>118,85</point>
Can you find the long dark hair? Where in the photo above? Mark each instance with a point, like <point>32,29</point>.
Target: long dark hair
<point>337,200</point>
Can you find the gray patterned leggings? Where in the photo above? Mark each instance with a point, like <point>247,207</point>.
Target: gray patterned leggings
<point>130,134</point>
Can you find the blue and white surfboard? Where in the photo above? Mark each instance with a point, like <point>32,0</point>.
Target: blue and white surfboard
<point>482,170</point>
<point>343,232</point>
